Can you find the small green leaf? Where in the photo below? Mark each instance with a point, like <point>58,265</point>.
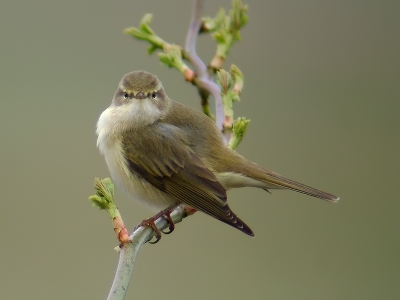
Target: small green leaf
<point>224,80</point>
<point>238,131</point>
<point>211,25</point>
<point>145,24</point>
<point>151,49</point>
<point>136,33</point>
<point>239,82</point>
<point>172,57</point>
<point>98,201</point>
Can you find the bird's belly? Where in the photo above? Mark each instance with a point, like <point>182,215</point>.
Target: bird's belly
<point>143,192</point>
<point>134,186</point>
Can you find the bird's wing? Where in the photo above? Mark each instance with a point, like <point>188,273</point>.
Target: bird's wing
<point>161,154</point>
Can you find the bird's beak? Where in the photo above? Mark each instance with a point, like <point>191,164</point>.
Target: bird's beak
<point>140,95</point>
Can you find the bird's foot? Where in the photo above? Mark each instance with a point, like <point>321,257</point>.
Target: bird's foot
<point>166,213</point>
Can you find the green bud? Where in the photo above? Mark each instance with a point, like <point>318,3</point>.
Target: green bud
<point>225,81</point>
<point>210,24</point>
<point>104,198</point>
<point>172,57</point>
<point>239,82</point>
<point>239,129</point>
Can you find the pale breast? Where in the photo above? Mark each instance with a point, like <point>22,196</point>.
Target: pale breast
<point>135,187</point>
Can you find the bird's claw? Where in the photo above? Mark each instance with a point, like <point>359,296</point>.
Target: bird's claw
<point>171,227</point>
<point>166,213</point>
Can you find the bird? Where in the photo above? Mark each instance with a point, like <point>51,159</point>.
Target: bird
<point>162,154</point>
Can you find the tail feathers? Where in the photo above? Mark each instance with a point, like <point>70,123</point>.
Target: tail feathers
<point>274,180</point>
<point>267,178</point>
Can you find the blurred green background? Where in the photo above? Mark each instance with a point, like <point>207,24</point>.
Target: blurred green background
<point>322,87</point>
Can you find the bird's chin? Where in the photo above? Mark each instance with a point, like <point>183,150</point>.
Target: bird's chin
<point>138,113</point>
<point>144,112</point>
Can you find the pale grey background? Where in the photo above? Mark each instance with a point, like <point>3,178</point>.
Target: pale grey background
<point>322,89</point>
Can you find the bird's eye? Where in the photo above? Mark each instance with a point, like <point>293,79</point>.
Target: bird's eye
<point>154,95</point>
<point>125,95</point>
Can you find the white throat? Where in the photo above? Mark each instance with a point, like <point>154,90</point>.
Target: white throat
<point>118,118</point>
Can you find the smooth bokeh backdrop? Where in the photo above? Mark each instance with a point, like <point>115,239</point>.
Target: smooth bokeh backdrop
<point>322,88</point>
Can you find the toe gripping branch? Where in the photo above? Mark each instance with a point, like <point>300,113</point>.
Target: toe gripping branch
<point>166,213</point>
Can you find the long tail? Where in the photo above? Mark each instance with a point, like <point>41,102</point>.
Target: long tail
<point>273,180</point>
<point>278,181</point>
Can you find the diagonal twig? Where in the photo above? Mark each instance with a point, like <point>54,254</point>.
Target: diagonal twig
<point>204,79</point>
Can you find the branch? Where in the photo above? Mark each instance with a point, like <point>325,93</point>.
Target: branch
<point>204,79</point>
<point>129,245</point>
<point>190,45</point>
<point>129,251</point>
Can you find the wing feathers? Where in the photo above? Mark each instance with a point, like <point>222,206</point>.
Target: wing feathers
<point>172,167</point>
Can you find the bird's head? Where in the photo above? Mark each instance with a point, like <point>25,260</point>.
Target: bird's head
<point>141,95</point>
